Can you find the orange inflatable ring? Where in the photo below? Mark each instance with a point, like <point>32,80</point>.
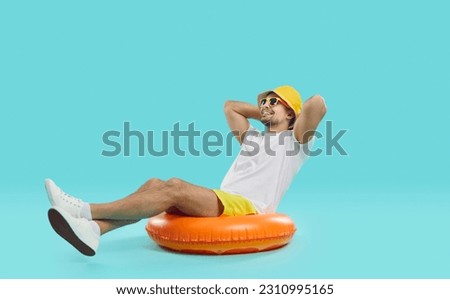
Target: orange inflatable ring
<point>221,235</point>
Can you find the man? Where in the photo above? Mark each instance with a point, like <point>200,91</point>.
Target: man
<point>255,183</point>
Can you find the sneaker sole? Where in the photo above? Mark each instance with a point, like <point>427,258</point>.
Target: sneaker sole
<point>62,228</point>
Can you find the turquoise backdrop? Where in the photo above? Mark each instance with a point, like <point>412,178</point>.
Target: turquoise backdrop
<point>72,70</point>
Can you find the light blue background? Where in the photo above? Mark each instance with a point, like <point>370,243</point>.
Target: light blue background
<point>71,71</point>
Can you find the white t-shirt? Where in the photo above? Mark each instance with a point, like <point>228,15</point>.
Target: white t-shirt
<point>265,167</point>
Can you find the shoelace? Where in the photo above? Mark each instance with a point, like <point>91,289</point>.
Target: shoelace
<point>72,200</point>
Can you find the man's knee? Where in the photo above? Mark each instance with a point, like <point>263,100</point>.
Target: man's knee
<point>175,187</point>
<point>174,182</point>
<point>153,182</point>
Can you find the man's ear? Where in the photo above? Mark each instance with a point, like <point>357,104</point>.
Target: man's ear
<point>290,114</point>
<point>291,117</point>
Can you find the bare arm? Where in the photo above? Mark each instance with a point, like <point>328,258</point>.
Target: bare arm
<point>310,116</point>
<point>237,114</point>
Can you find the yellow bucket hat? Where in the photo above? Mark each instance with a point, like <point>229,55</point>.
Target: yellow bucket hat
<point>289,95</point>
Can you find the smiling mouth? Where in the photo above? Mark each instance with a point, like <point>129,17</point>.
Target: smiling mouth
<point>265,113</point>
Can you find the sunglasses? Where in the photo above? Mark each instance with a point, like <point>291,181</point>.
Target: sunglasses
<point>272,101</point>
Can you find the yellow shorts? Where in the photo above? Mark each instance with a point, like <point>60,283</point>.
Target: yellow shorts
<point>235,205</point>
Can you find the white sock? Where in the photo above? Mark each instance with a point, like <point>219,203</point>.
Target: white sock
<point>86,211</point>
<point>95,227</point>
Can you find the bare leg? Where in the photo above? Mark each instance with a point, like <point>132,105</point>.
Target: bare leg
<point>107,225</point>
<point>157,196</point>
<point>150,184</point>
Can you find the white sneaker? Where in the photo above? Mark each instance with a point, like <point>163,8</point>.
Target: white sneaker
<point>58,198</point>
<point>76,231</point>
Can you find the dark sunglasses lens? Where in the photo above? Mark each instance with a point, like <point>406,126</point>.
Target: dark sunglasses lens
<point>273,101</point>
<point>263,102</point>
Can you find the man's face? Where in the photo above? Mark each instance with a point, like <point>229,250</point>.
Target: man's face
<point>273,110</point>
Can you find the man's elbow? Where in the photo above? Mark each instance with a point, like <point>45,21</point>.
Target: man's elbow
<point>228,105</point>
<point>316,104</point>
